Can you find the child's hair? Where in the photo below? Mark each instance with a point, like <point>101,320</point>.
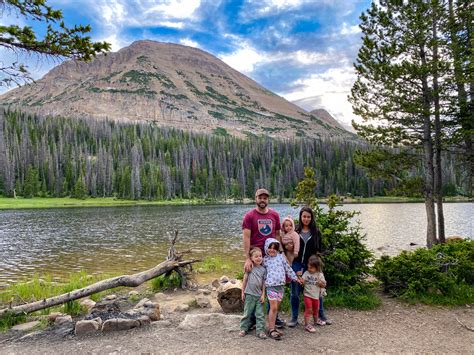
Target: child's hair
<point>253,251</point>
<point>274,245</point>
<point>316,262</point>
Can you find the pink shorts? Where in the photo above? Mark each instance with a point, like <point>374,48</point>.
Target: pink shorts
<point>275,293</point>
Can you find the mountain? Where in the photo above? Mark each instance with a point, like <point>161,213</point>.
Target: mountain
<point>323,114</point>
<point>173,86</point>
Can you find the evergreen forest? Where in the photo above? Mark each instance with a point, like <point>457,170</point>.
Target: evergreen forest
<point>56,156</point>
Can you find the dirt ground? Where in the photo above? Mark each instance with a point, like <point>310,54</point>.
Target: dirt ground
<point>393,328</point>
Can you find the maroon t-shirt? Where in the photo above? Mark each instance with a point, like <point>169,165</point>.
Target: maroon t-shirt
<point>262,226</point>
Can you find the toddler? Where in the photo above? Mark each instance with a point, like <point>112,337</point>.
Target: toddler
<point>313,279</point>
<point>290,239</point>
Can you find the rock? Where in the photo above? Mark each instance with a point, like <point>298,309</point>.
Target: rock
<point>229,296</point>
<point>104,307</point>
<point>133,293</point>
<point>223,280</point>
<point>142,303</point>
<point>197,321</point>
<point>182,308</point>
<point>110,297</point>
<point>160,296</point>
<point>215,283</point>
<point>87,303</point>
<point>202,301</point>
<point>84,327</point>
<point>52,316</point>
<point>162,324</point>
<point>31,335</point>
<point>144,320</point>
<point>63,320</point>
<point>25,327</point>
<point>119,324</point>
<point>204,291</point>
<point>152,311</point>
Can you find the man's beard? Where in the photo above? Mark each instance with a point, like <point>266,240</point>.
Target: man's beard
<point>262,205</point>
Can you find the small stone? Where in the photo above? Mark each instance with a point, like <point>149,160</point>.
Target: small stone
<point>87,303</point>
<point>52,316</point>
<point>223,280</point>
<point>110,297</point>
<point>84,327</point>
<point>63,320</point>
<point>25,327</point>
<point>160,296</point>
<point>204,291</point>
<point>182,308</point>
<point>133,293</point>
<point>215,283</point>
<point>142,303</point>
<point>153,312</point>
<point>202,301</point>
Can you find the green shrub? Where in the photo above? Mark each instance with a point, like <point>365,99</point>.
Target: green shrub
<point>441,275</point>
<point>166,281</point>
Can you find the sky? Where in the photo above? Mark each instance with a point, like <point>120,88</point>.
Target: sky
<point>302,50</point>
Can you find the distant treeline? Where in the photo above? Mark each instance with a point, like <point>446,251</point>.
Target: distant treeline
<point>55,156</point>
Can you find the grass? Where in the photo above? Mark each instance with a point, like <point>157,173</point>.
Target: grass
<point>7,203</point>
<point>459,295</point>
<point>164,282</point>
<point>215,264</point>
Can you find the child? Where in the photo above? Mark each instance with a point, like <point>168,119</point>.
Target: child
<point>253,295</point>
<point>290,239</point>
<point>277,269</point>
<point>312,278</point>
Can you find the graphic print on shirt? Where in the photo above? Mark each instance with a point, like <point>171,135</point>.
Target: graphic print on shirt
<point>265,226</point>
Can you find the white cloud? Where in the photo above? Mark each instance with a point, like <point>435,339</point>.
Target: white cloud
<point>189,42</point>
<point>244,58</point>
<point>327,90</point>
<point>307,58</point>
<point>349,30</point>
<point>178,9</point>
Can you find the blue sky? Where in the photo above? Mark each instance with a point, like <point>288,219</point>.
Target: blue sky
<point>301,49</point>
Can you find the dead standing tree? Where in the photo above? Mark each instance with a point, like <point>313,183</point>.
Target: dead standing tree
<point>174,262</point>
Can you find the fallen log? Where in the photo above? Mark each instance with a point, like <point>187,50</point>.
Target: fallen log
<point>173,263</point>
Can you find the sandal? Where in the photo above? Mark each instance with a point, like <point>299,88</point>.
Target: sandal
<point>242,333</point>
<point>262,335</point>
<point>273,334</point>
<point>310,328</point>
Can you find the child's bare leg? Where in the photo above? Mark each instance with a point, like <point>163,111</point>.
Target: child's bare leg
<point>272,313</point>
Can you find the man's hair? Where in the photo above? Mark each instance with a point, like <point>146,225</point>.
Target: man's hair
<point>253,251</point>
<point>316,262</point>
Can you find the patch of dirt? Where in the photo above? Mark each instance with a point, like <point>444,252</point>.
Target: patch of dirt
<point>394,327</point>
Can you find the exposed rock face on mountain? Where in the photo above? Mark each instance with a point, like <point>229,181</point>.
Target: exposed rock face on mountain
<point>171,85</point>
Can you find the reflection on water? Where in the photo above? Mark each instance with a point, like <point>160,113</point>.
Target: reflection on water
<point>128,239</point>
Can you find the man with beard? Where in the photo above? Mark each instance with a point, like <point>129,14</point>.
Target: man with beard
<point>258,225</point>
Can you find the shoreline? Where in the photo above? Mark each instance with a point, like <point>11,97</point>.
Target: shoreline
<point>10,203</point>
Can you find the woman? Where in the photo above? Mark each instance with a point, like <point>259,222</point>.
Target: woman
<point>310,244</point>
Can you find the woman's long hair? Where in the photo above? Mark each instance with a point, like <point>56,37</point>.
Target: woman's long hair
<point>312,226</point>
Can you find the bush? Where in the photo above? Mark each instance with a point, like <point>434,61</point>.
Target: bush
<point>166,281</point>
<point>441,275</point>
<point>346,258</point>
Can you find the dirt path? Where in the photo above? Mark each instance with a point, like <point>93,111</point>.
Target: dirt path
<point>395,327</point>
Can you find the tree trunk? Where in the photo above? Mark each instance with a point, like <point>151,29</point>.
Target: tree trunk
<point>428,161</point>
<point>438,133</point>
<point>124,280</point>
<point>173,262</point>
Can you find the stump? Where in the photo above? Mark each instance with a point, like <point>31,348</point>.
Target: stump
<point>229,296</point>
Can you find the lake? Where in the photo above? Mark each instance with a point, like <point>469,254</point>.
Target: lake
<point>129,239</point>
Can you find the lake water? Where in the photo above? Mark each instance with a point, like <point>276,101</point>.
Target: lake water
<point>129,239</point>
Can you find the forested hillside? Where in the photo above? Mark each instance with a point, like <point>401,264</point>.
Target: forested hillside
<point>54,156</point>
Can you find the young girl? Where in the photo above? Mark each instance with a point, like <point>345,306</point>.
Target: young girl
<point>277,269</point>
<point>290,239</point>
<point>310,244</point>
<point>313,278</point>
<point>253,295</point>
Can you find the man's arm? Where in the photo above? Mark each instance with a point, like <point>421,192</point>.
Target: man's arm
<point>246,239</point>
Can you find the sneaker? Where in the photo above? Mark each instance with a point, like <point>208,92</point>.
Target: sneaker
<point>293,323</point>
<point>320,322</point>
<point>310,328</point>
<point>280,323</point>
